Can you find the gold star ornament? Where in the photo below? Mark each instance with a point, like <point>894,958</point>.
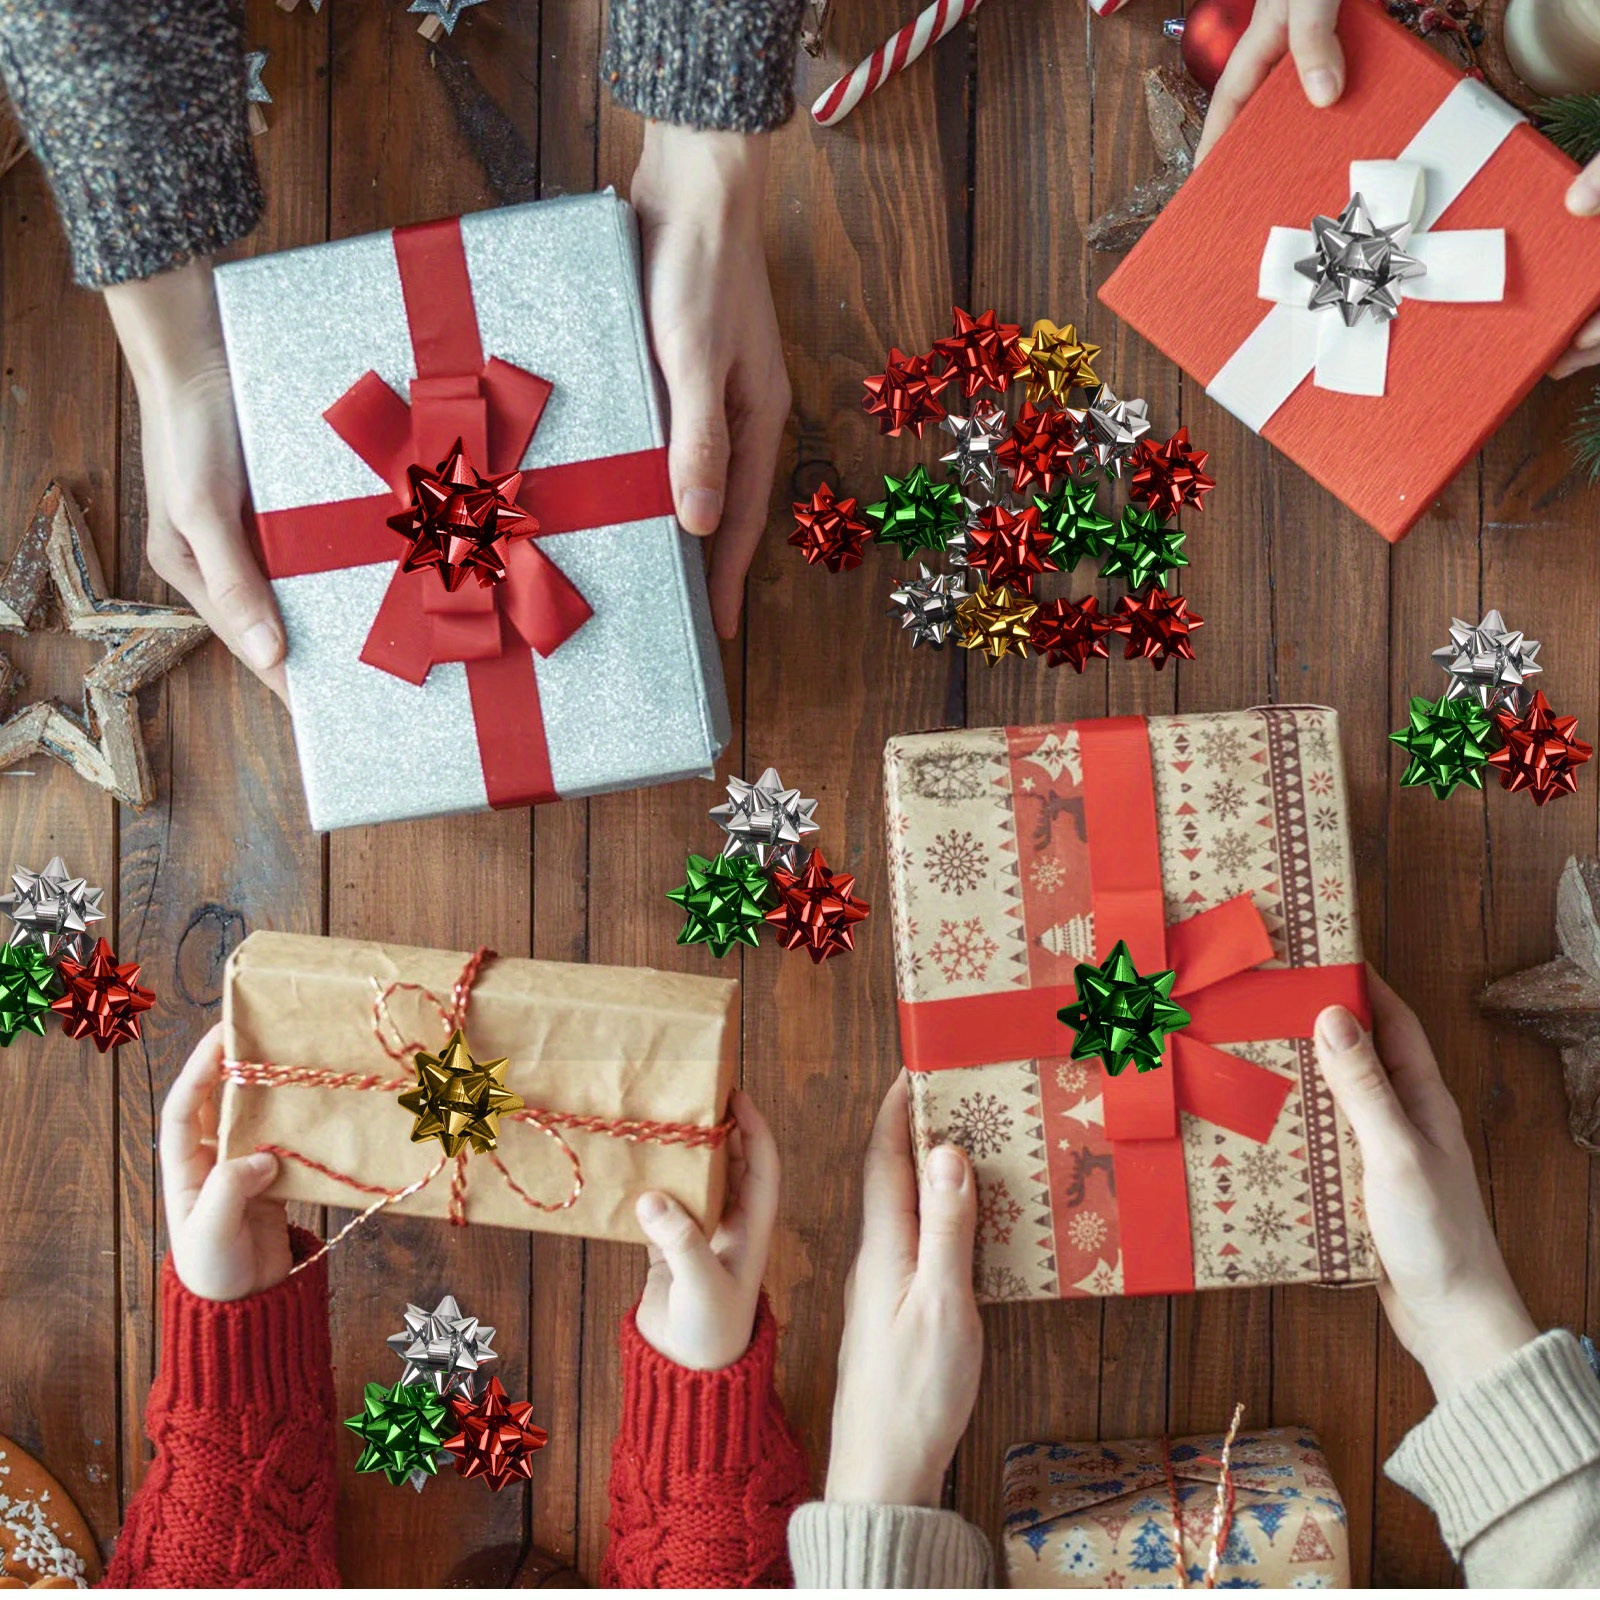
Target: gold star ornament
<point>1057,362</point>
<point>996,622</point>
<point>458,1100</point>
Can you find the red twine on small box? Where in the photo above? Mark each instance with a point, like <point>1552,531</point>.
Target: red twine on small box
<point>1221,1512</point>
<point>553,1124</point>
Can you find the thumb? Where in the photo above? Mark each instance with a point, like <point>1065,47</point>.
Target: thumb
<point>1358,1080</point>
<point>238,592</point>
<point>697,455</point>
<point>684,1248</point>
<point>948,1216</point>
<point>218,1213</point>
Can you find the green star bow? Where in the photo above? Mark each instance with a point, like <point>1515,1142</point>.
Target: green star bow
<point>724,901</point>
<point>1120,1016</point>
<point>1070,518</point>
<point>916,513</point>
<point>1448,742</point>
<point>27,980</point>
<point>1141,549</point>
<point>402,1427</point>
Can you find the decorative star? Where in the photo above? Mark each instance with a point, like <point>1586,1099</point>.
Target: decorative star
<point>1120,1016</point>
<point>460,523</point>
<point>1075,527</point>
<point>828,530</point>
<point>1042,449</point>
<point>102,999</point>
<point>982,352</point>
<point>1111,428</point>
<point>458,1100</point>
<point>916,513</point>
<point>104,744</point>
<point>442,1348</point>
<point>1142,548</point>
<point>1009,548</point>
<point>1166,477</point>
<point>255,91</point>
<point>446,12</point>
<point>403,1431</point>
<point>52,909</point>
<point>926,606</point>
<point>1157,626</point>
<point>817,910</point>
<point>496,1438</point>
<point>724,902</point>
<point>1490,662</point>
<point>1071,632</point>
<point>973,461</point>
<point>905,394</point>
<point>996,622</point>
<point>764,820</point>
<point>1057,362</point>
<point>1358,268</point>
<point>27,981</point>
<point>1448,742</point>
<point>1540,753</point>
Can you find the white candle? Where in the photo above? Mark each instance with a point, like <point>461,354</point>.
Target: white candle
<point>1554,45</point>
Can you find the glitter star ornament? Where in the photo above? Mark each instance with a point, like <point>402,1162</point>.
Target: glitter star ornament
<point>1120,1016</point>
<point>827,530</point>
<point>974,461</point>
<point>1057,362</point>
<point>496,1439</point>
<point>1448,742</point>
<point>1009,548</point>
<point>1358,268</point>
<point>916,513</point>
<point>1071,632</point>
<point>724,902</point>
<point>817,910</point>
<point>459,522</point>
<point>402,1429</point>
<point>1168,476</point>
<point>1157,626</point>
<point>442,1348</point>
<point>1491,663</point>
<point>1111,428</point>
<point>1142,548</point>
<point>1075,527</point>
<point>448,12</point>
<point>905,394</point>
<point>996,622</point>
<point>1538,752</point>
<point>52,909</point>
<point>764,820</point>
<point>981,352</point>
<point>27,982</point>
<point>101,999</point>
<point>458,1100</point>
<point>1042,449</point>
<point>927,605</point>
<point>255,91</point>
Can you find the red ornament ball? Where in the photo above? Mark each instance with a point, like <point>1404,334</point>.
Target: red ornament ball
<point>1071,632</point>
<point>1156,625</point>
<point>497,1441</point>
<point>1540,753</point>
<point>817,910</point>
<point>828,530</point>
<point>103,999</point>
<point>1211,28</point>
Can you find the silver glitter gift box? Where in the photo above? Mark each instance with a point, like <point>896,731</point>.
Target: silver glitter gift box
<point>635,696</point>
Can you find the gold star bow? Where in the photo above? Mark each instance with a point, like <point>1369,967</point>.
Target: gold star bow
<point>996,622</point>
<point>1057,362</point>
<point>458,1100</point>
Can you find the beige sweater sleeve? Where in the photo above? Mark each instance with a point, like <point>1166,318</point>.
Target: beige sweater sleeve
<point>1511,1467</point>
<point>836,1546</point>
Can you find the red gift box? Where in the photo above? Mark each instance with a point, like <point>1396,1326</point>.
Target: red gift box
<point>1454,371</point>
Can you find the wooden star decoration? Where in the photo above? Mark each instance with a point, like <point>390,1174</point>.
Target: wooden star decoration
<point>1176,107</point>
<point>104,745</point>
<point>1560,1001</point>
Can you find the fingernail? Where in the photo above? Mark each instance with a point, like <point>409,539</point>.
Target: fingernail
<point>1321,86</point>
<point>1338,1029</point>
<point>263,1161</point>
<point>946,1169</point>
<point>652,1207</point>
<point>261,645</point>
<point>1583,198</point>
<point>701,510</point>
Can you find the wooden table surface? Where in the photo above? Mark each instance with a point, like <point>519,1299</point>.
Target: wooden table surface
<point>970,182</point>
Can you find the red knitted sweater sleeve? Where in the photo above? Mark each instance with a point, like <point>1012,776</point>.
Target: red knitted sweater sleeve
<point>241,1491</point>
<point>705,1473</point>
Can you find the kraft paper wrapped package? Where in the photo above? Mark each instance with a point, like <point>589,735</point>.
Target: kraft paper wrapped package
<point>606,1045</point>
<point>592,665</point>
<point>1216,846</point>
<point>1384,413</point>
<point>1097,1516</point>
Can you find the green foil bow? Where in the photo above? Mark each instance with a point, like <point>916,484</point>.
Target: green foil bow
<point>1121,1016</point>
<point>403,1429</point>
<point>1070,518</point>
<point>916,513</point>
<point>27,982</point>
<point>1142,549</point>
<point>725,901</point>
<point>1448,742</point>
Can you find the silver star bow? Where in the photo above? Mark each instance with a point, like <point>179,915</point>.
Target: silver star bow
<point>52,909</point>
<point>765,820</point>
<point>442,1347</point>
<point>447,11</point>
<point>977,437</point>
<point>926,606</point>
<point>1489,662</point>
<point>1359,267</point>
<point>1110,428</point>
<point>255,90</point>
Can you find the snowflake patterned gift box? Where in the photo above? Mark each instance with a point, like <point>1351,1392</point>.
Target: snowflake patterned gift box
<point>1216,846</point>
<point>545,632</point>
<point>1097,1516</point>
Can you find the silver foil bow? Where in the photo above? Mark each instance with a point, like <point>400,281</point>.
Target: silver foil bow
<point>52,909</point>
<point>1110,428</point>
<point>1490,662</point>
<point>972,462</point>
<point>765,820</point>
<point>443,1348</point>
<point>1359,267</point>
<point>926,605</point>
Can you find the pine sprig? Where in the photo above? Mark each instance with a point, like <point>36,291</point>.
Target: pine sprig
<point>1584,440</point>
<point>1572,121</point>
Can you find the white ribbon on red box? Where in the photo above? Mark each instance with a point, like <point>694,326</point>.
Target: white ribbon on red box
<point>1293,342</point>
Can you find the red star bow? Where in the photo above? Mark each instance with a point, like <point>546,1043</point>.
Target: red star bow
<point>817,909</point>
<point>497,1442</point>
<point>1157,626</point>
<point>459,522</point>
<point>1042,448</point>
<point>1071,632</point>
<point>1010,548</point>
<point>1168,476</point>
<point>982,352</point>
<point>905,394</point>
<point>1539,753</point>
<point>102,1000</point>
<point>828,530</point>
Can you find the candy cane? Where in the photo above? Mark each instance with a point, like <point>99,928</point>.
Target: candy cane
<point>895,54</point>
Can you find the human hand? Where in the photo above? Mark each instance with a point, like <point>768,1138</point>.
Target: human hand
<point>1304,28</point>
<point>227,1242</point>
<point>193,469</point>
<point>699,1304</point>
<point>1583,200</point>
<point>715,333</point>
<point>912,1351</point>
<point>1447,1292</point>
